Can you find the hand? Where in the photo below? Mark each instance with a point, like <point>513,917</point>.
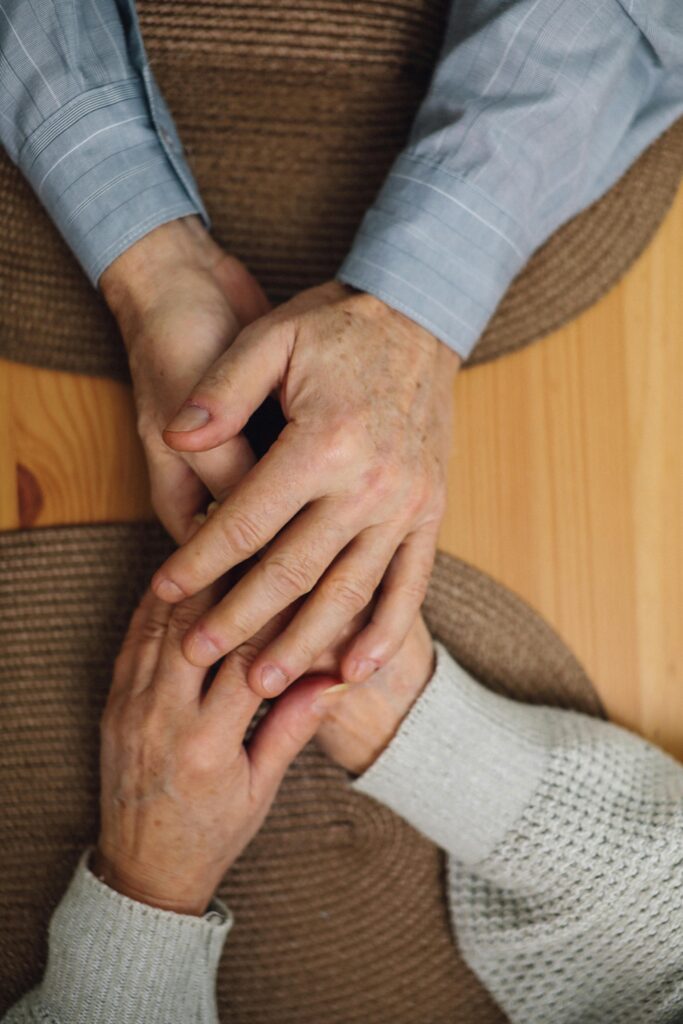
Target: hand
<point>181,794</point>
<point>180,301</point>
<point>361,720</point>
<point>353,488</point>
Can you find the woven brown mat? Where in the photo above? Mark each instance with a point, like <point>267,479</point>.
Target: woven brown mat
<point>292,112</point>
<point>339,904</point>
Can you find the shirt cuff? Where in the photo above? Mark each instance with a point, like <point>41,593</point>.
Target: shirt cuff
<point>438,249</point>
<point>108,173</point>
<point>111,958</point>
<point>464,763</point>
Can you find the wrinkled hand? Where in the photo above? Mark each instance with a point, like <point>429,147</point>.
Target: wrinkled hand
<point>351,494</point>
<point>180,300</point>
<point>361,720</point>
<point>181,794</point>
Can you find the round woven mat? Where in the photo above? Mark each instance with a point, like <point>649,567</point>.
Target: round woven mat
<point>291,114</point>
<point>339,904</point>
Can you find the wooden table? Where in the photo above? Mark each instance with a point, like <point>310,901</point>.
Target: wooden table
<point>566,481</point>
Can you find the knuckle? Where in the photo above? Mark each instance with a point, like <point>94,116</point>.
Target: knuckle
<point>388,480</point>
<point>301,650</point>
<point>197,757</point>
<point>183,617</point>
<point>415,588</point>
<point>116,731</point>
<point>287,577</point>
<point>418,497</point>
<point>381,480</point>
<point>415,593</point>
<point>343,440</point>
<point>240,533</point>
<point>153,628</point>
<point>348,593</point>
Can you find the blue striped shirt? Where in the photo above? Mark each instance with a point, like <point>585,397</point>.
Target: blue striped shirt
<point>535,108</point>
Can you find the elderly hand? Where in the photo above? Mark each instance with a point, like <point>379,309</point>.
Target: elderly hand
<point>181,793</point>
<point>180,301</point>
<point>361,720</point>
<point>350,495</point>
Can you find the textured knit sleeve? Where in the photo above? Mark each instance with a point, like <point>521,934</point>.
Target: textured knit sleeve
<point>112,960</point>
<point>565,837</point>
<point>82,116</point>
<point>536,107</point>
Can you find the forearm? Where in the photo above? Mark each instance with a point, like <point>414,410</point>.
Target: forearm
<point>116,961</point>
<point>564,834</point>
<point>85,121</point>
<point>535,108</point>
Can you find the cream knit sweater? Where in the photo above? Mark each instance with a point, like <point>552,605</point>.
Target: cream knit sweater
<point>565,837</point>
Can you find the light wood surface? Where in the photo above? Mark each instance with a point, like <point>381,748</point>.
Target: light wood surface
<point>566,481</point>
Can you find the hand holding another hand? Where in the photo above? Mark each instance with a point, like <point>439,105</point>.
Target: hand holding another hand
<point>362,719</point>
<point>349,497</point>
<point>180,301</point>
<point>181,792</point>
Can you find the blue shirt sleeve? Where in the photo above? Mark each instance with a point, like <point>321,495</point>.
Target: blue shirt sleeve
<point>82,116</point>
<point>535,109</point>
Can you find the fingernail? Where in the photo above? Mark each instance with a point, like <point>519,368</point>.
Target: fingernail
<point>273,679</point>
<point>337,688</point>
<point>200,518</point>
<point>169,591</point>
<point>190,417</point>
<point>361,669</point>
<point>323,706</point>
<point>211,507</point>
<point>202,650</point>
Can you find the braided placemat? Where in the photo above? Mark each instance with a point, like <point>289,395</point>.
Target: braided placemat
<point>340,908</point>
<point>291,114</point>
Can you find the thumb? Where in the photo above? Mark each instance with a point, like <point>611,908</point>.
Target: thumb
<point>292,721</point>
<point>233,388</point>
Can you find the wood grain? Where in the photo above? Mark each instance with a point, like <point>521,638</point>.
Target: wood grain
<point>567,485</point>
<point>76,437</point>
<point>566,480</point>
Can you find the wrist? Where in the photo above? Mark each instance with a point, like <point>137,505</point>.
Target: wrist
<point>132,283</point>
<point>448,359</point>
<point>153,888</point>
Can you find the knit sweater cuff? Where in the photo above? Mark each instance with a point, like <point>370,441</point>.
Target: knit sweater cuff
<point>112,958</point>
<point>464,763</point>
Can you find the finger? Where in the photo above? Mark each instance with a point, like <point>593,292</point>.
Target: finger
<point>289,725</point>
<point>229,700</point>
<point>229,697</point>
<point>401,595</point>
<point>177,495</point>
<point>221,469</point>
<point>176,680</point>
<point>347,587</point>
<point>139,653</point>
<point>233,388</point>
<point>280,484</point>
<point>290,567</point>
